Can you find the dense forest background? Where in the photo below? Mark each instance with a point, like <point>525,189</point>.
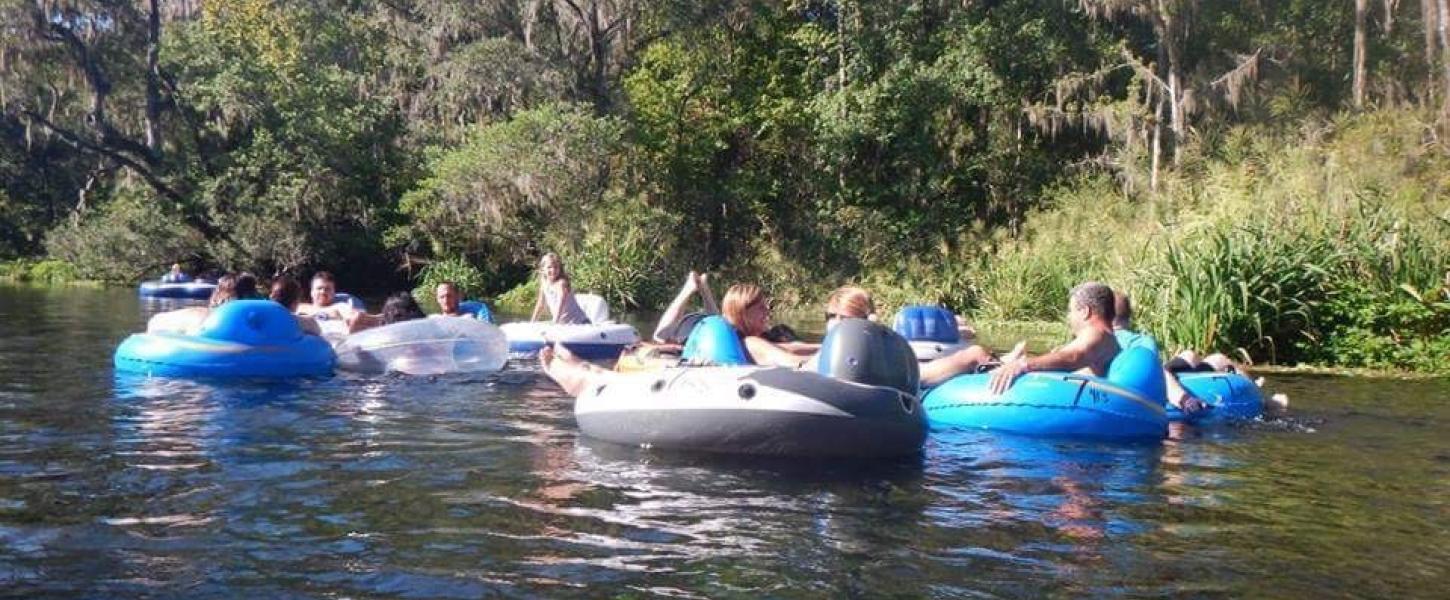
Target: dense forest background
<point>1266,176</point>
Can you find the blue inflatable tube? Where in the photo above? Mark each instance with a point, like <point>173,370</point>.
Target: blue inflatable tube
<point>1128,404</point>
<point>194,290</point>
<point>478,309</point>
<point>348,299</point>
<point>242,338</point>
<point>1230,396</point>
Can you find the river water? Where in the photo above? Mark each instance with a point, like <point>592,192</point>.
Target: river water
<point>465,487</point>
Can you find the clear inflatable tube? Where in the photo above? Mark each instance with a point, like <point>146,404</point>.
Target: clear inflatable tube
<point>425,347</point>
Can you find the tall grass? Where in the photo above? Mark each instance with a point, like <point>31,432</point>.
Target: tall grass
<point>1329,244</point>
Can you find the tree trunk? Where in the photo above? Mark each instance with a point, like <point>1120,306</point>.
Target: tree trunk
<point>530,19</point>
<point>1428,19</point>
<point>1169,38</point>
<point>153,79</point>
<point>1444,57</point>
<point>1157,144</point>
<point>841,47</point>
<point>1361,16</point>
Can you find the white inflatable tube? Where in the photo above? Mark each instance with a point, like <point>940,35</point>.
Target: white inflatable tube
<point>594,341</point>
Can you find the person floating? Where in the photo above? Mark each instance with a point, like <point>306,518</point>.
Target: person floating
<point>556,294</point>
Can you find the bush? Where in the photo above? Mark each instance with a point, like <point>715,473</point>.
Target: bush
<point>131,238</point>
<point>624,255</point>
<point>1283,247</point>
<point>54,271</point>
<point>471,281</point>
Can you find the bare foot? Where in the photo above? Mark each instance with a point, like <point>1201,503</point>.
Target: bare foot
<point>692,281</point>
<point>1278,402</point>
<point>546,356</point>
<point>563,352</point>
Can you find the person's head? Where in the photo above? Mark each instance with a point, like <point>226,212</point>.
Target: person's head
<point>1090,303</point>
<point>849,302</point>
<point>287,292</point>
<point>401,307</point>
<point>324,289</point>
<point>746,308</point>
<point>1122,311</point>
<point>447,296</point>
<point>247,286</point>
<point>551,268</point>
<point>226,290</point>
<point>176,268</point>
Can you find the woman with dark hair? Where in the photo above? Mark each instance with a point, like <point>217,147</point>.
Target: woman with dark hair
<point>287,292</point>
<point>188,320</point>
<point>401,307</point>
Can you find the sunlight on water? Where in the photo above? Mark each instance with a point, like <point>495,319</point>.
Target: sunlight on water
<point>478,485</point>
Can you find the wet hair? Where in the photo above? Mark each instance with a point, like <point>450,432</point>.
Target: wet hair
<point>287,292</point>
<point>1097,298</point>
<point>401,307</point>
<point>1122,310</point>
<point>447,282</point>
<point>325,276</point>
<point>738,299</point>
<point>851,301</point>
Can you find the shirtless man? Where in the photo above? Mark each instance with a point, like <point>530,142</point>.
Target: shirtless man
<point>1090,314</point>
<point>325,308</point>
<point>448,299</point>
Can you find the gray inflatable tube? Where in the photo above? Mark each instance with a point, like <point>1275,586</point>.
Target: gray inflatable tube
<point>753,410</point>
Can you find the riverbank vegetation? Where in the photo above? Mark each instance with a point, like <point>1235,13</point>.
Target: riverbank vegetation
<point>1267,178</point>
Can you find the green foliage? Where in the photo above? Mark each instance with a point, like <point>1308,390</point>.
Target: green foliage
<point>985,155</point>
<point>1281,246</point>
<point>470,280</point>
<point>511,182</point>
<point>129,239</point>
<point>49,271</point>
<point>54,271</point>
<point>519,300</point>
<point>626,254</point>
<point>1396,329</point>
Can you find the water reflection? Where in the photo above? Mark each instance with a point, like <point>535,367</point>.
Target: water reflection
<point>469,486</point>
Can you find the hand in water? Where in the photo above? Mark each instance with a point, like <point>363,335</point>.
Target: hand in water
<point>1191,405</point>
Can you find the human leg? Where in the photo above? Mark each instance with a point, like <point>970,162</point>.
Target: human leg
<point>571,373</point>
<point>707,297</point>
<point>676,309</point>
<point>1179,397</point>
<point>961,361</point>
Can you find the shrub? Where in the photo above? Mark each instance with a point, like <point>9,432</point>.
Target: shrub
<point>470,280</point>
<point>624,254</point>
<point>54,271</point>
<point>132,237</point>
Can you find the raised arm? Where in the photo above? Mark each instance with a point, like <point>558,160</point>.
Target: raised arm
<point>539,303</point>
